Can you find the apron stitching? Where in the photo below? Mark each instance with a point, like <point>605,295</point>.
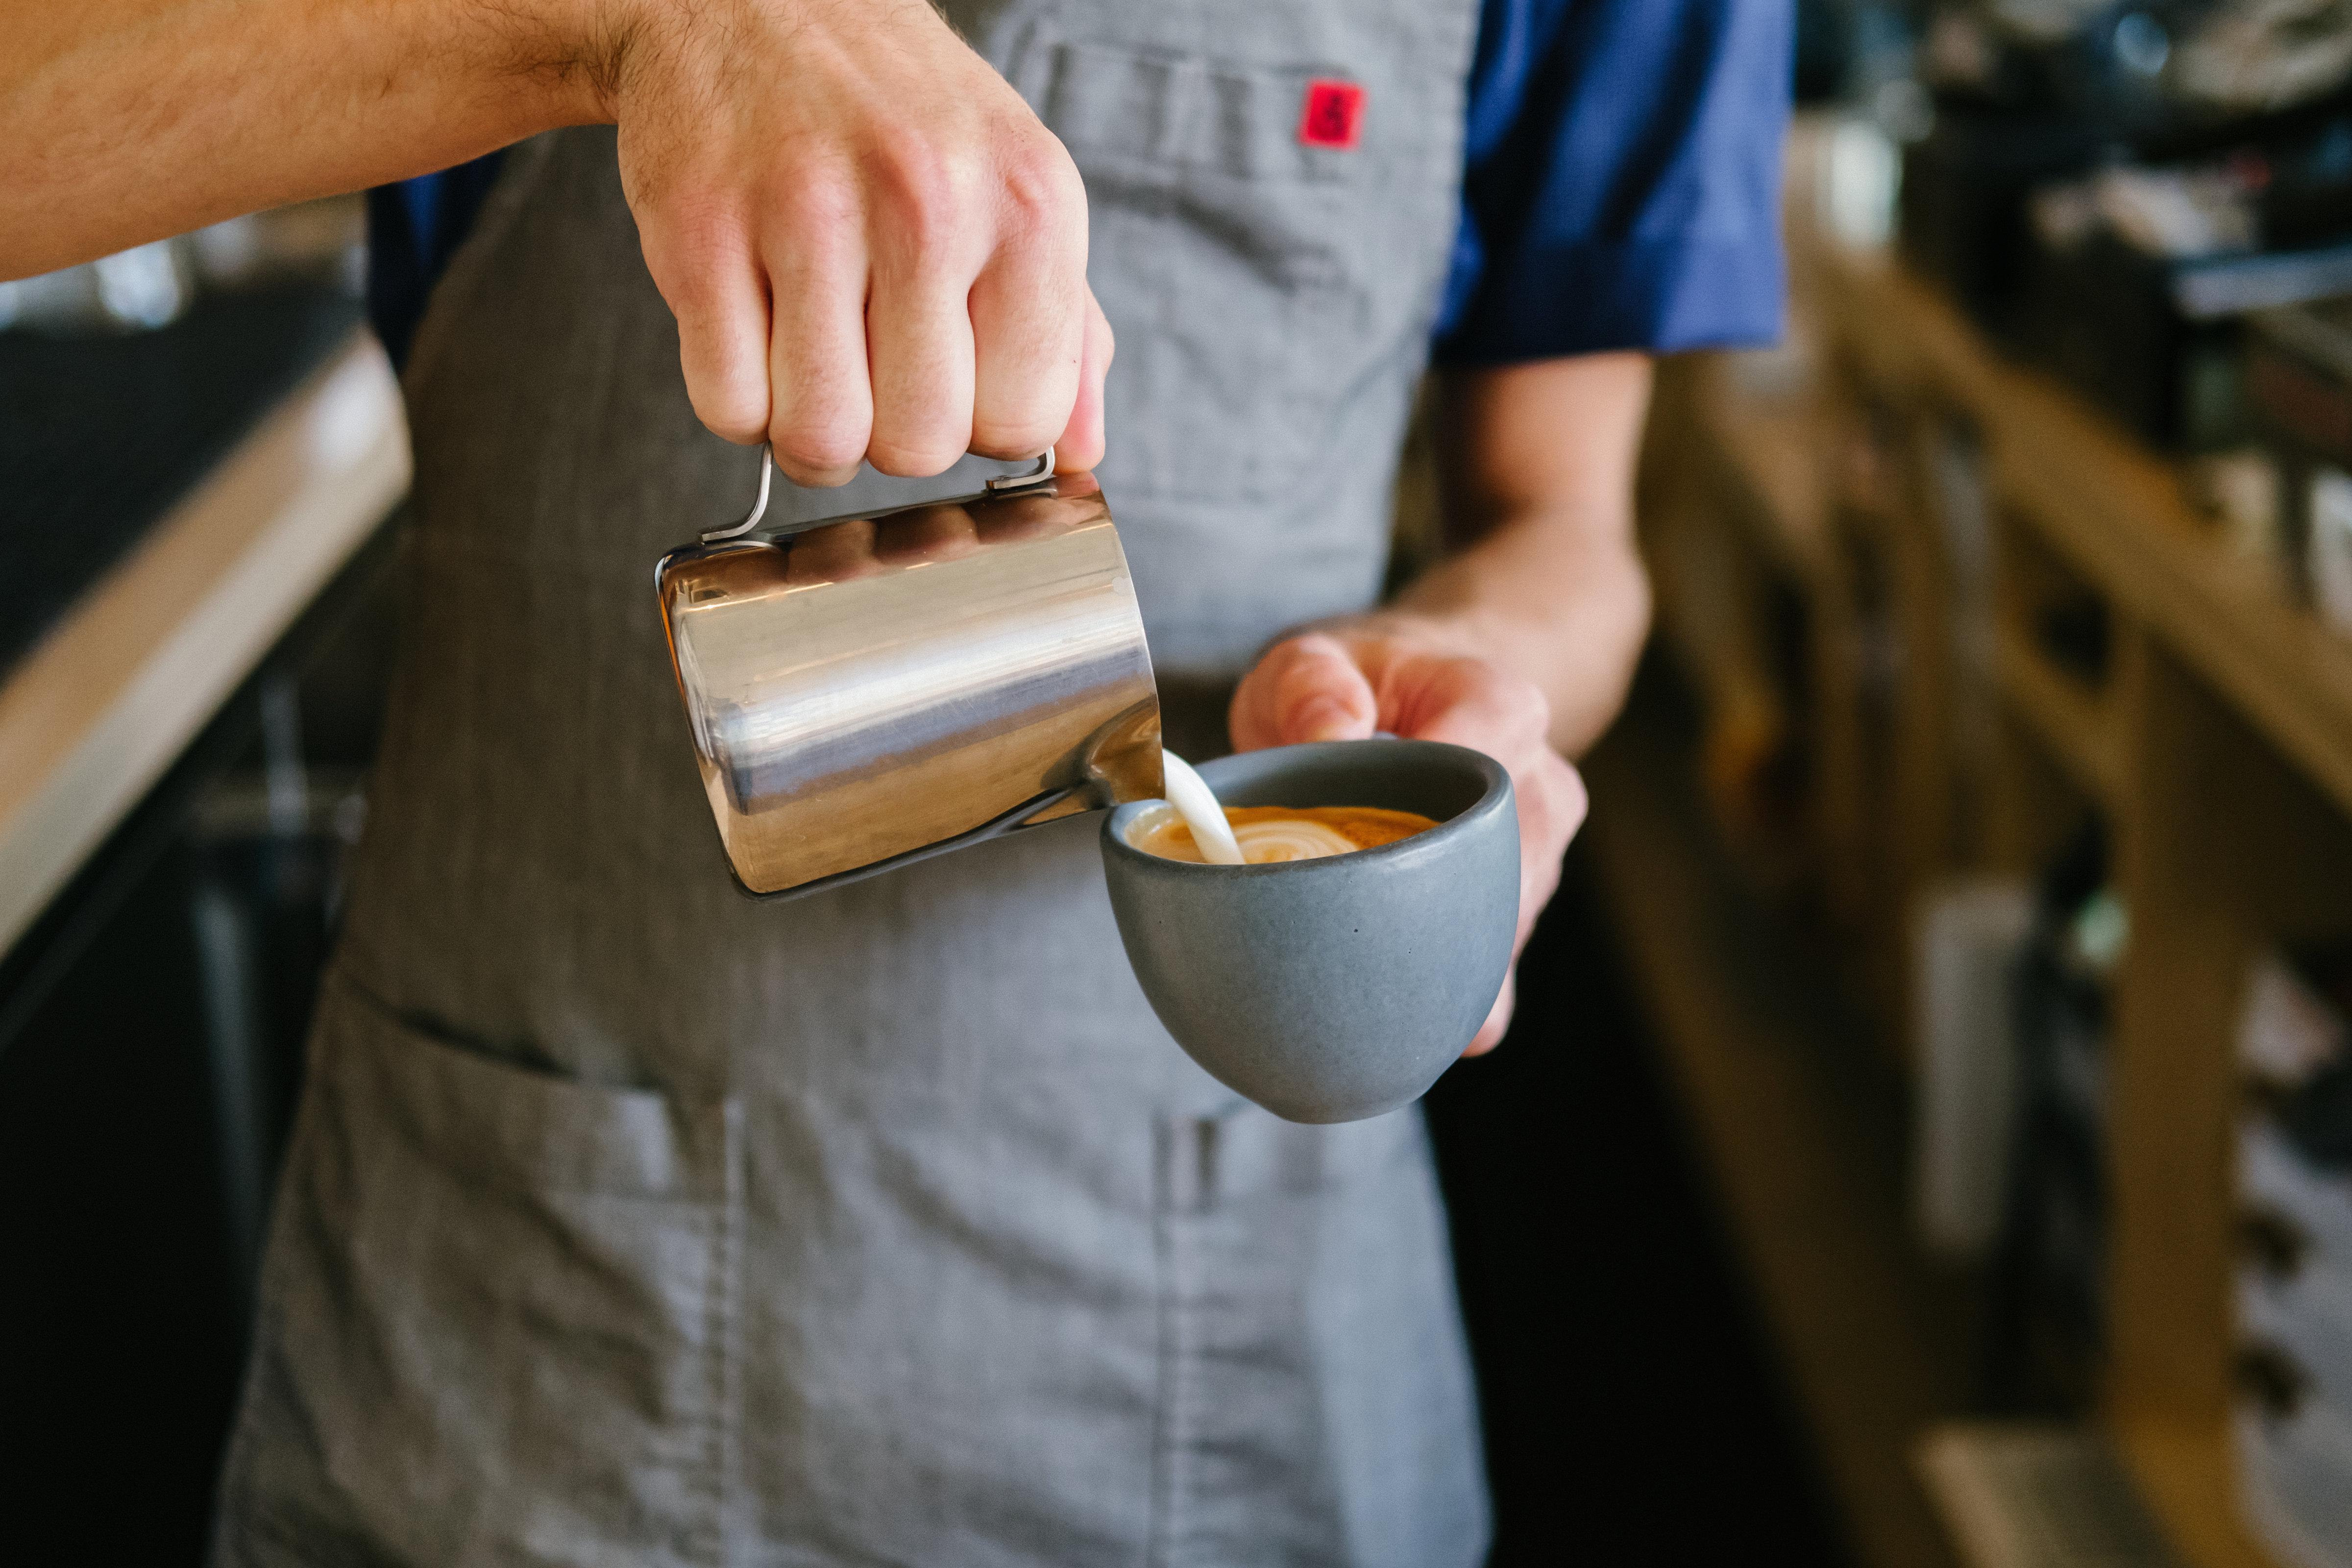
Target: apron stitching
<point>1163,1437</point>
<point>240,1483</point>
<point>727,1242</point>
<point>1187,1147</point>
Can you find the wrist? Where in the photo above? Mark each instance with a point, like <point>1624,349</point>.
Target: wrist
<point>1454,628</point>
<point>565,62</point>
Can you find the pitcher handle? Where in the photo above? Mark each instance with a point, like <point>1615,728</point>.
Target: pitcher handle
<point>1002,484</point>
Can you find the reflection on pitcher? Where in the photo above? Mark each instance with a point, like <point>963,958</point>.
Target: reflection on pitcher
<point>873,689</point>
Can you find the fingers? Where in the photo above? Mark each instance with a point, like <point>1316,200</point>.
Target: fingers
<point>918,341</point>
<point>791,349</point>
<point>1081,444</point>
<point>713,283</point>
<point>1307,688</point>
<point>1552,807</point>
<point>821,404</point>
<point>1440,696</point>
<point>1467,702</point>
<point>1320,686</point>
<point>1029,326</point>
<point>921,234</point>
<point>977,326</point>
<point>1498,1022</point>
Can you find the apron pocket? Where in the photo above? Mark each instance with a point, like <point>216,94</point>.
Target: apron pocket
<point>497,1319</point>
<point>1317,1400</point>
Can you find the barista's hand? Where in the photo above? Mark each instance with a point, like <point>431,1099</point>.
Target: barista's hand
<point>873,247</point>
<point>1424,678</point>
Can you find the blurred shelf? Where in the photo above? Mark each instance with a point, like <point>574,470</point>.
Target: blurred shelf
<point>1988,607</point>
<point>2113,507</point>
<point>2186,1478</point>
<point>2039,1494</point>
<point>1798,1123</point>
<point>101,433</point>
<point>1772,447</point>
<point>2070,719</point>
<point>95,712</point>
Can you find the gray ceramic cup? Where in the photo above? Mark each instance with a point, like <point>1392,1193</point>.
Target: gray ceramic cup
<point>1335,989</point>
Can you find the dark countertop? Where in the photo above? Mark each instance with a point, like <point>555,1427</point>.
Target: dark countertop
<point>99,435</point>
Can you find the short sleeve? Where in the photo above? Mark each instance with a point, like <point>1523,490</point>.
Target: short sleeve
<point>1621,180</point>
<point>414,229</point>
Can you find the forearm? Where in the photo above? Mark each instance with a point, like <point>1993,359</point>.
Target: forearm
<point>130,119</point>
<point>1561,601</point>
<point>1537,462</point>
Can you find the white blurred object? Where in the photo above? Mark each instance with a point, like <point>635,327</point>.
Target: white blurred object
<point>2241,488</point>
<point>2276,1181</point>
<point>2259,55</point>
<point>1859,179</point>
<point>147,286</point>
<point>2295,1481</point>
<point>2288,1033</point>
<point>2328,554</point>
<point>322,238</point>
<point>1969,937</point>
<point>152,285</point>
<point>2179,214</point>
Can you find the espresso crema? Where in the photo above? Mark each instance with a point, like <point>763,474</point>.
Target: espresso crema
<point>1268,833</point>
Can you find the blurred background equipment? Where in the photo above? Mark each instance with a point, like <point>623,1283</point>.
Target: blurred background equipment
<point>2006,675</point>
<point>1965,995</point>
<point>200,449</point>
<point>2294,1284</point>
<point>2112,187</point>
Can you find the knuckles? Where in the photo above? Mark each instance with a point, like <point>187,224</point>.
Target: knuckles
<point>697,228</point>
<point>733,413</point>
<point>814,452</point>
<point>1042,197</point>
<point>925,192</point>
<point>1009,442</point>
<point>951,200</point>
<point>817,206</point>
<point>910,462</point>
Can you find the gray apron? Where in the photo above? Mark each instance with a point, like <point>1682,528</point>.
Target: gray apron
<point>629,1221</point>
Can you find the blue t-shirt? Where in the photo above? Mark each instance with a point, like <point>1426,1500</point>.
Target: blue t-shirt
<point>1621,186</point>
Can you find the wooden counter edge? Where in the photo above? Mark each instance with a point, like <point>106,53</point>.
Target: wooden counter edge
<point>96,713</point>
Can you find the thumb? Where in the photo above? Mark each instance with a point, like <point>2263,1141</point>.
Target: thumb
<point>1304,689</point>
<point>1081,446</point>
<point>1499,1020</point>
<point>1320,695</point>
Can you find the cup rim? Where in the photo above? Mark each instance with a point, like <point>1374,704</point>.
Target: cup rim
<point>1491,801</point>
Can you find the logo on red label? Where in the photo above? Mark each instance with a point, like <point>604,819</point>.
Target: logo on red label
<point>1335,114</point>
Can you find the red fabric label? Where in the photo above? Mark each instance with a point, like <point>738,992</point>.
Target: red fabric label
<point>1334,116</point>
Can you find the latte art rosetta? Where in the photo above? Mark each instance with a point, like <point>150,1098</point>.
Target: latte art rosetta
<point>1268,833</point>
<point>1288,838</point>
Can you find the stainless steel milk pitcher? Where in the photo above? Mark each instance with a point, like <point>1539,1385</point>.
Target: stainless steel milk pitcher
<point>867,690</point>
